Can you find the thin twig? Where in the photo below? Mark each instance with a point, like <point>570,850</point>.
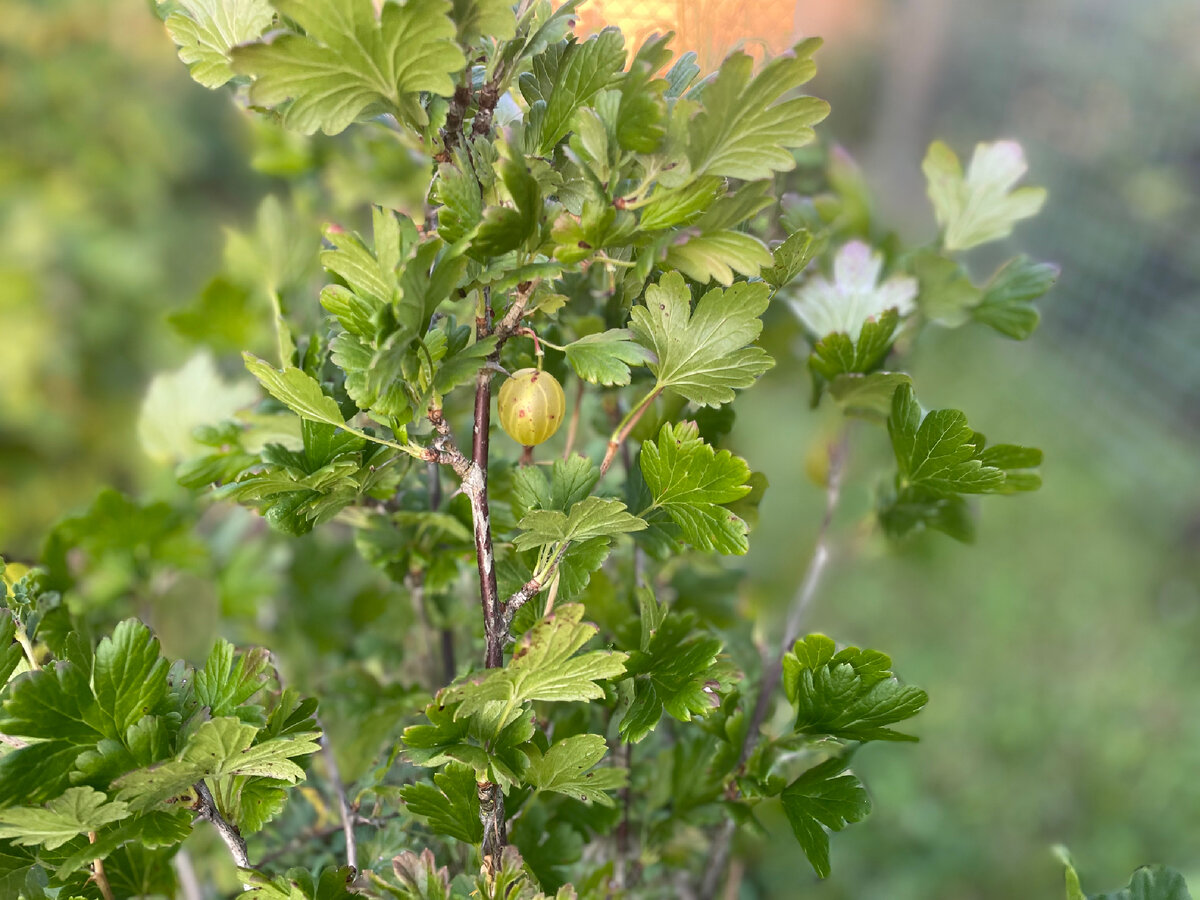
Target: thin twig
<point>339,788</point>
<point>773,669</point>
<point>532,587</point>
<point>206,809</point>
<point>185,874</point>
<point>620,874</point>
<point>627,425</point>
<point>573,425</point>
<point>98,874</point>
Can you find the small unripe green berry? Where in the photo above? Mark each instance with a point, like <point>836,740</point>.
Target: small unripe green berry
<point>531,405</point>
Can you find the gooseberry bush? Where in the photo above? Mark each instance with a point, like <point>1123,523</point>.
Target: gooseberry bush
<point>533,675</point>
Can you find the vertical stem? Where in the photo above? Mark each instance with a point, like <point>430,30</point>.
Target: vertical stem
<point>491,797</point>
<point>185,873</point>
<point>475,487</point>
<point>98,874</point>
<point>335,778</point>
<point>622,862</point>
<point>573,426</point>
<point>773,664</point>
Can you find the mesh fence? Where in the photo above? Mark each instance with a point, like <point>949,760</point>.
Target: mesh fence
<point>1103,93</point>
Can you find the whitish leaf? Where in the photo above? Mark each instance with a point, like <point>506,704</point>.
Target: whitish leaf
<point>750,124</point>
<point>605,358</point>
<point>566,768</point>
<point>297,390</point>
<point>419,874</point>
<point>703,354</point>
<point>823,798</point>
<point>855,296</point>
<point>850,694</point>
<point>350,61</point>
<point>545,667</point>
<point>206,30</point>
<point>76,811</point>
<point>589,518</point>
<point>982,206</point>
<point>694,483</point>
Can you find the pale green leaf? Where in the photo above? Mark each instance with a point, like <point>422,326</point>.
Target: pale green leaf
<point>751,123</point>
<point>702,353</point>
<point>493,19</point>
<point>219,747</point>
<point>716,255</point>
<point>206,30</point>
<point>563,78</point>
<point>567,768</point>
<point>947,294</point>
<point>605,358</point>
<point>351,61</point>
<point>179,401</point>
<point>544,667</point>
<point>589,518</point>
<point>297,390</point>
<point>76,811</point>
<point>982,206</point>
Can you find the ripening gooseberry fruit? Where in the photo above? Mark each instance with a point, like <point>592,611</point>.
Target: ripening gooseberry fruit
<point>531,406</point>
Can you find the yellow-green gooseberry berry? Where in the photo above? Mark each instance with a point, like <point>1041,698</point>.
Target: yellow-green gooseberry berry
<point>532,406</point>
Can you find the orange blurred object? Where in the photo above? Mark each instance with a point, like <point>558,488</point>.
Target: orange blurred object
<point>715,28</point>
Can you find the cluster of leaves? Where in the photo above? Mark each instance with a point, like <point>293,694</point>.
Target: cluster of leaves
<point>106,744</point>
<point>623,211</point>
<point>859,322</point>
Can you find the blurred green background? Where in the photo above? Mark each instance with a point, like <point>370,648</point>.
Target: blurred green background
<point>1059,653</point>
